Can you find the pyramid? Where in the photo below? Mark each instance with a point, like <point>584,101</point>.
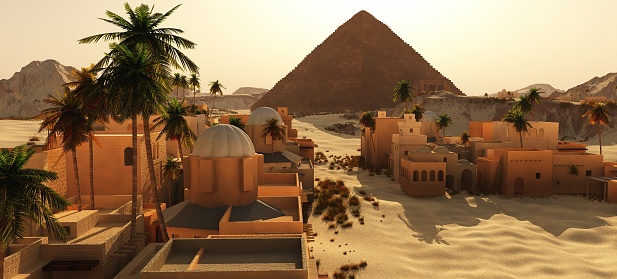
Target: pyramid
<point>356,68</point>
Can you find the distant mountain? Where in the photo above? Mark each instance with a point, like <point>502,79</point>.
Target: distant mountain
<point>253,91</point>
<point>22,95</point>
<point>546,89</point>
<point>597,87</point>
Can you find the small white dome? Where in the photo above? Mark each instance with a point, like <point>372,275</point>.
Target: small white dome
<point>261,115</point>
<point>423,149</point>
<point>223,141</point>
<point>464,162</point>
<point>441,149</point>
<point>429,116</point>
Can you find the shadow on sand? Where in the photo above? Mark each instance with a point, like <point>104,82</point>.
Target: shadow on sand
<point>427,216</point>
<point>322,121</point>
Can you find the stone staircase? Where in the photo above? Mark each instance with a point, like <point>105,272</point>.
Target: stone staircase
<point>308,230</point>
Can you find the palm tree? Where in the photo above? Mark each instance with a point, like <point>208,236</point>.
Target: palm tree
<point>216,88</point>
<point>194,83</point>
<point>368,121</point>
<point>84,85</point>
<point>136,83</point>
<point>598,115</point>
<point>464,139</point>
<point>418,111</point>
<point>534,95</point>
<point>274,130</point>
<point>139,67</point>
<point>24,196</point>
<point>402,92</point>
<point>443,121</point>
<point>176,81</point>
<point>184,84</point>
<point>574,172</point>
<point>67,119</point>
<point>524,104</point>
<point>142,27</point>
<point>175,126</point>
<point>172,169</point>
<point>518,120</point>
<point>237,121</point>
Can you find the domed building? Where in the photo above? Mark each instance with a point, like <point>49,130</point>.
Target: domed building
<point>229,193</point>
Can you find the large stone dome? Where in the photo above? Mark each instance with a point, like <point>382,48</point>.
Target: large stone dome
<point>223,141</point>
<point>261,115</point>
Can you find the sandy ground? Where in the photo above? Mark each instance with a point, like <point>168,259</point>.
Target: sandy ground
<point>461,236</point>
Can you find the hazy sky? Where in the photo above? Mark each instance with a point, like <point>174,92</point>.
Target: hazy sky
<point>482,46</point>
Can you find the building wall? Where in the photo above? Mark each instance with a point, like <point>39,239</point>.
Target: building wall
<point>376,145</point>
<point>265,144</point>
<point>525,165</point>
<point>566,183</point>
<point>25,258</point>
<point>422,178</point>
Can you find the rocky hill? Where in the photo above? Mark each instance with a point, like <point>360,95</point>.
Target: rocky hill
<point>546,89</point>
<point>463,109</point>
<point>22,95</point>
<point>253,91</point>
<point>605,86</point>
<point>231,102</point>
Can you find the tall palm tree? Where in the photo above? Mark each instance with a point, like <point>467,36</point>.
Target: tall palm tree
<point>184,84</point>
<point>194,83</point>
<point>175,126</point>
<point>140,65</point>
<point>215,88</point>
<point>274,130</point>
<point>573,170</point>
<point>176,81</point>
<point>67,118</point>
<point>143,27</point>
<point>418,111</point>
<point>598,115</point>
<point>24,196</point>
<point>136,82</point>
<point>518,120</point>
<point>464,139</point>
<point>443,121</point>
<point>84,85</point>
<point>237,121</point>
<point>172,169</point>
<point>524,104</point>
<point>534,95</point>
<point>402,92</point>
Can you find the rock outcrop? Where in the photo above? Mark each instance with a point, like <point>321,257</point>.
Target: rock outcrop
<point>22,95</point>
<point>355,68</point>
<point>596,87</point>
<point>253,91</point>
<point>231,102</point>
<point>546,89</point>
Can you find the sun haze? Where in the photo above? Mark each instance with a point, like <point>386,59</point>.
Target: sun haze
<point>482,46</point>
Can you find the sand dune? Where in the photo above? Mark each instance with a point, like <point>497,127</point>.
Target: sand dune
<point>461,236</point>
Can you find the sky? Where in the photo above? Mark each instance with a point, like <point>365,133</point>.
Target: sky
<point>483,46</point>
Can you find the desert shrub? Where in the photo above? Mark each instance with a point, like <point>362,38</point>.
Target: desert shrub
<point>375,203</point>
<point>354,201</point>
<point>339,275</point>
<point>347,224</point>
<point>341,218</point>
<point>331,226</point>
<point>362,192</point>
<point>34,138</point>
<point>355,213</point>
<point>362,264</point>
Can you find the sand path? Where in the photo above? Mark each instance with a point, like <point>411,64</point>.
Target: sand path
<point>462,236</point>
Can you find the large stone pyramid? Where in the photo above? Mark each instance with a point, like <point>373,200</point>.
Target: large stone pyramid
<point>355,68</point>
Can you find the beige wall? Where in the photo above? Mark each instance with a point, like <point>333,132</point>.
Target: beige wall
<point>422,178</point>
<point>264,144</point>
<point>564,182</point>
<point>524,165</point>
<point>376,145</point>
<point>25,258</point>
<point>53,160</point>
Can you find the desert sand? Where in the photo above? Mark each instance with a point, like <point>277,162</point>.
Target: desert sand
<point>460,236</point>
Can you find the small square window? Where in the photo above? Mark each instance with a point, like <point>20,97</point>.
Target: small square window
<point>588,172</point>
<point>537,175</point>
<point>406,152</point>
<point>445,159</point>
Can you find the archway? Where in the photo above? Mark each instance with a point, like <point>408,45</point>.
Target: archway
<point>466,180</point>
<point>480,183</point>
<point>423,175</point>
<point>519,185</point>
<point>431,176</point>
<point>450,182</point>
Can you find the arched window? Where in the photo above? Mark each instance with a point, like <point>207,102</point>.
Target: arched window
<point>415,175</point>
<point>423,175</point>
<point>440,175</point>
<point>128,156</point>
<point>431,176</point>
<point>541,133</point>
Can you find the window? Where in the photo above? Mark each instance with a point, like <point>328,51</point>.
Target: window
<point>588,172</point>
<point>128,156</point>
<point>411,130</point>
<point>431,176</point>
<point>445,159</point>
<point>423,175</point>
<point>537,175</point>
<point>415,175</point>
<point>440,175</point>
<point>406,152</point>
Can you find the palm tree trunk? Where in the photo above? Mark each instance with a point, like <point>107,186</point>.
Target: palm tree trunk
<point>77,179</point>
<point>177,92</point>
<point>600,137</point>
<point>194,94</point>
<point>182,162</point>
<point>213,100</point>
<point>91,155</point>
<point>134,173</point>
<point>153,184</point>
<point>520,135</point>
